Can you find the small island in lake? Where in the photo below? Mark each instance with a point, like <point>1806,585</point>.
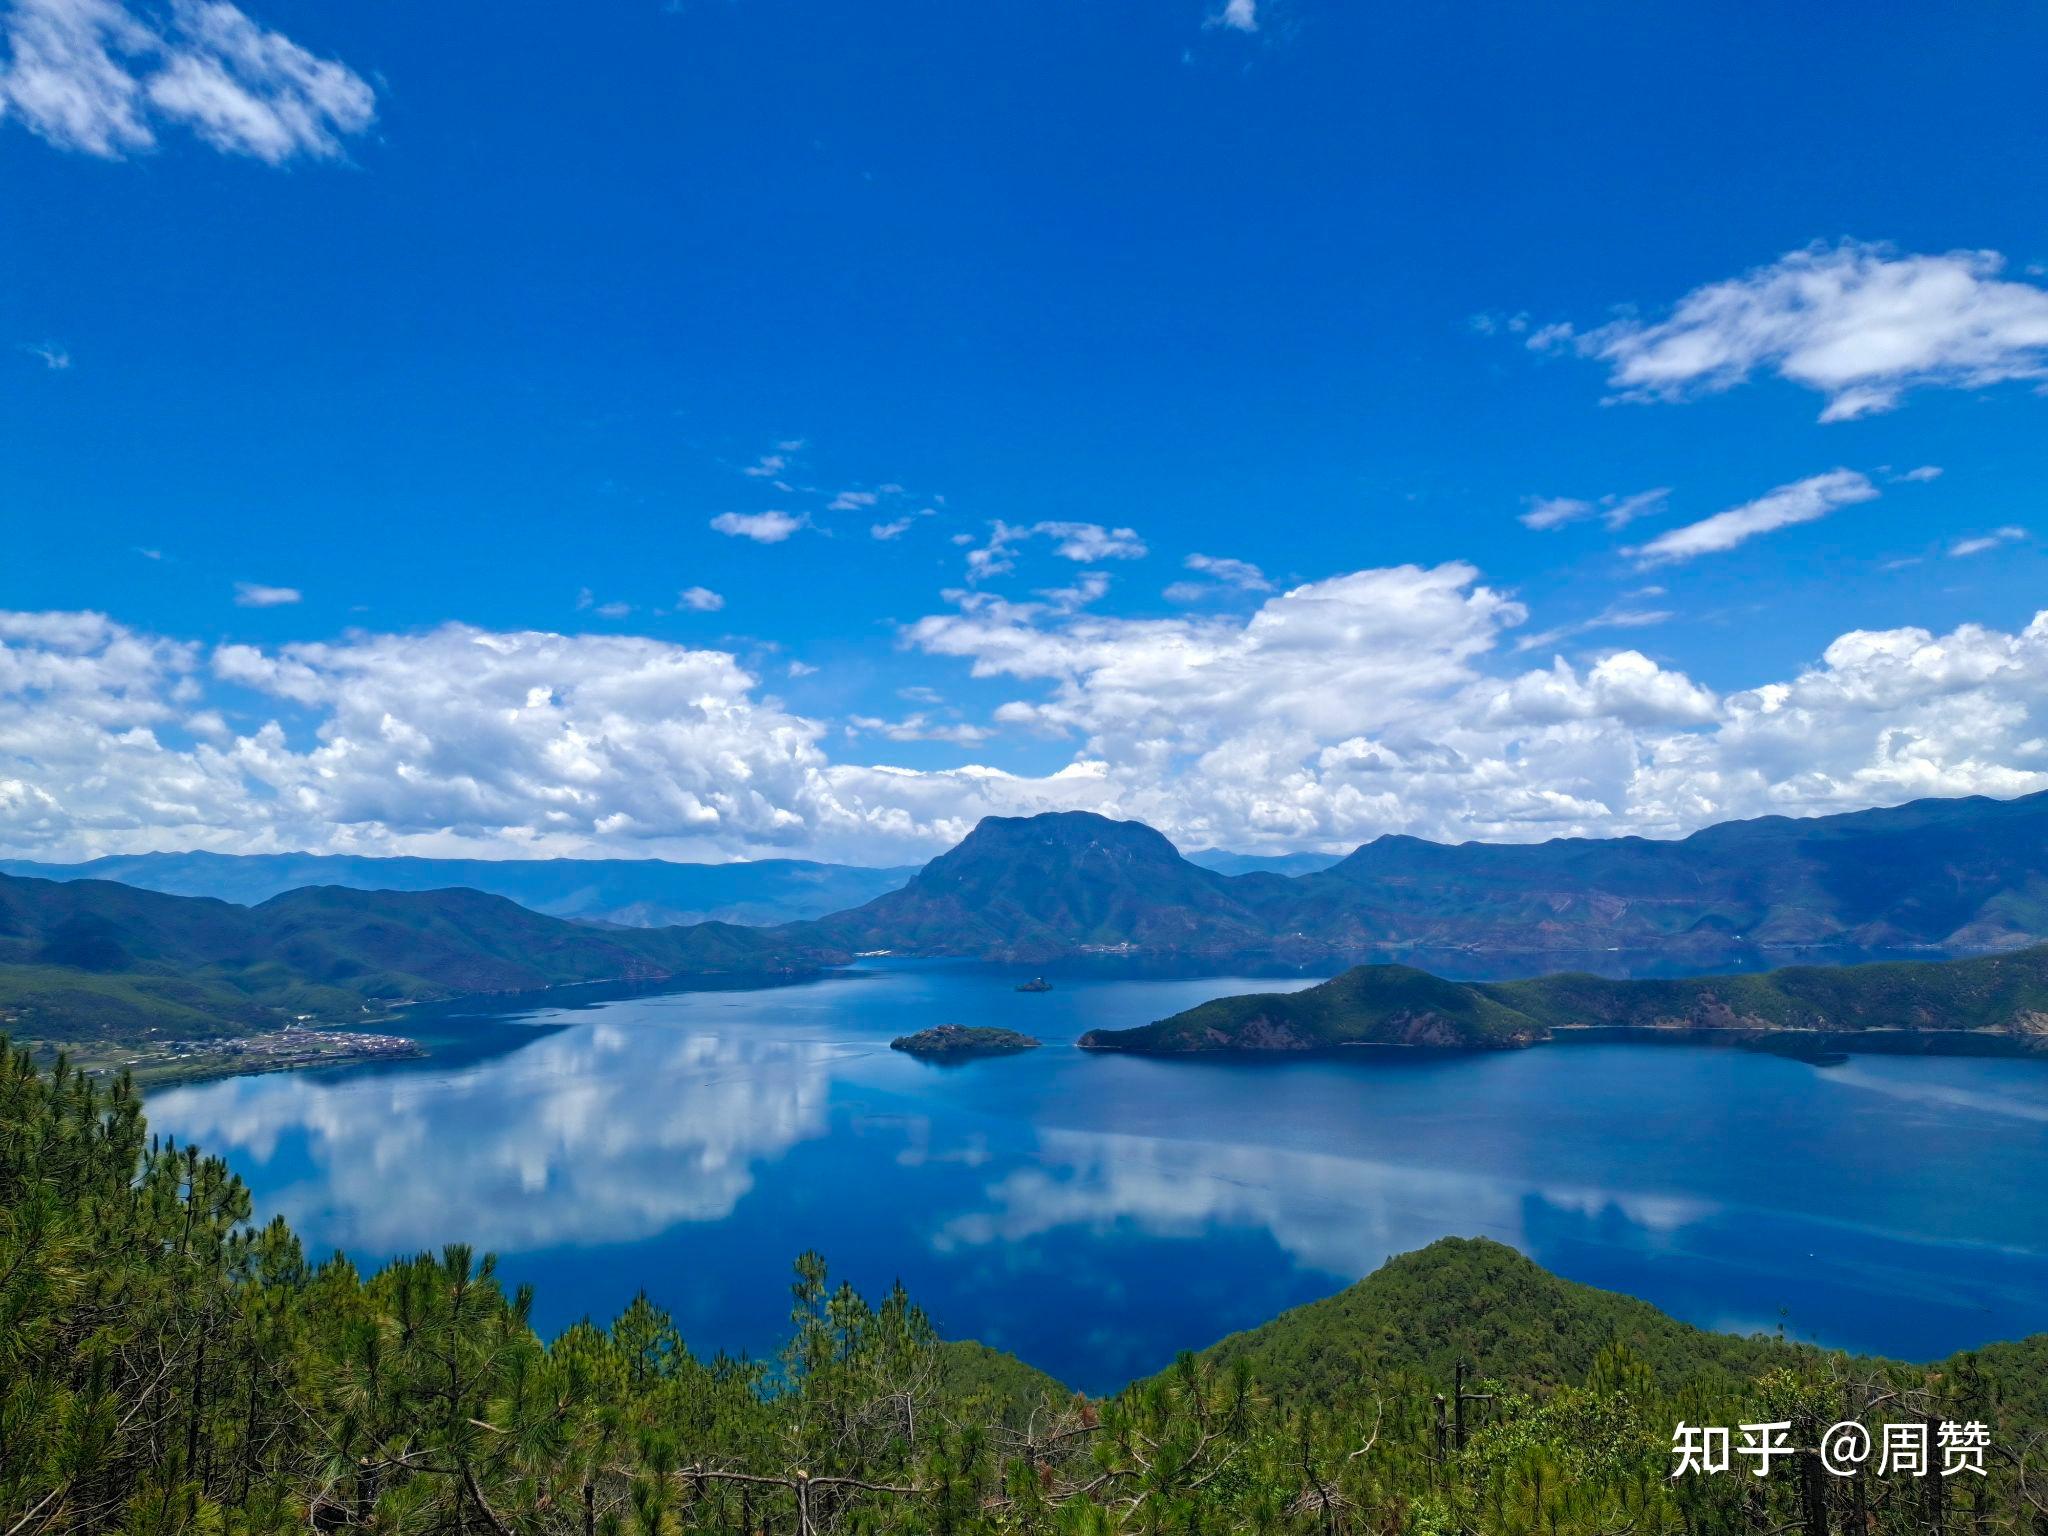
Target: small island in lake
<point>1035,984</point>
<point>958,1040</point>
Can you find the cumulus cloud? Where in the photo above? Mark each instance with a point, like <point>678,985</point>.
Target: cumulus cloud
<point>761,527</point>
<point>101,77</point>
<point>700,599</point>
<point>1859,323</point>
<point>1237,16</point>
<point>1370,702</point>
<point>253,594</point>
<point>1803,501</point>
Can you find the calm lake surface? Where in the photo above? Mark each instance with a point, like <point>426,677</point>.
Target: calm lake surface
<point>1096,1214</point>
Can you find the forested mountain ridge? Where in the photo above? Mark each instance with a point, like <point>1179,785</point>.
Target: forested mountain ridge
<point>1027,887</point>
<point>1954,876</point>
<point>171,1371</point>
<point>2001,999</point>
<point>640,893</point>
<point>89,959</point>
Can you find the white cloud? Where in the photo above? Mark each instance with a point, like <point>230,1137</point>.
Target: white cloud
<point>49,354</point>
<point>253,594</point>
<point>853,501</point>
<point>1618,615</point>
<point>1858,323</point>
<point>100,77</point>
<point>918,727</point>
<point>1237,573</point>
<point>893,529</point>
<point>1237,16</point>
<point>761,527</point>
<point>1803,501</point>
<point>700,599</point>
<point>1376,701</point>
<point>1985,542</point>
<point>1085,543</point>
<point>1546,512</point>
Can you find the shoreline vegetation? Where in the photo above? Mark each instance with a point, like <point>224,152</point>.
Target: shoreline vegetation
<point>172,1369</point>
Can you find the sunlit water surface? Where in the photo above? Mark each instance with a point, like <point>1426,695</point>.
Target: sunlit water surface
<point>1095,1214</point>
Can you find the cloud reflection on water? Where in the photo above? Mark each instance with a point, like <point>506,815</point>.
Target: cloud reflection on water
<point>593,1135</point>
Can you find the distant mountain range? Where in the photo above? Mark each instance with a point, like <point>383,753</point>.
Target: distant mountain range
<point>1949,876</point>
<point>1942,876</point>
<point>639,893</point>
<point>1225,862</point>
<point>92,959</point>
<point>1994,1001</point>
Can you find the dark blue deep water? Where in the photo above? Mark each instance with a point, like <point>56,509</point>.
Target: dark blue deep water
<point>1096,1214</point>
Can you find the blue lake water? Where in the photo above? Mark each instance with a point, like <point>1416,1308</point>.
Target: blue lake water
<point>1095,1214</point>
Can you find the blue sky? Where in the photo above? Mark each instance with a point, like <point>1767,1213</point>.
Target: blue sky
<point>400,333</point>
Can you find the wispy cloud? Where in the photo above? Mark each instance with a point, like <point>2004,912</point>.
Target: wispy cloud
<point>700,599</point>
<point>1236,573</point>
<point>1857,322</point>
<point>1618,615</point>
<point>100,77</point>
<point>49,354</point>
<point>253,594</point>
<point>1547,512</point>
<point>1237,16</point>
<point>586,602</point>
<point>1984,542</point>
<point>1803,501</point>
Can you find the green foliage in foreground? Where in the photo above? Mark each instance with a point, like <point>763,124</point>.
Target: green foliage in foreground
<point>166,1369</point>
<point>2004,997</point>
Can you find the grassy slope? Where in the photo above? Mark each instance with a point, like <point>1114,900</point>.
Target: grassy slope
<point>2005,995</point>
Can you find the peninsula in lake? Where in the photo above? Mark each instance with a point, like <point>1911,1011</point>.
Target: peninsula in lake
<point>1992,1004</point>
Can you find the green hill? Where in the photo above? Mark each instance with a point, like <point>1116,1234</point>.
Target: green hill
<point>1993,1001</point>
<point>89,960</point>
<point>641,893</point>
<point>1478,1301</point>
